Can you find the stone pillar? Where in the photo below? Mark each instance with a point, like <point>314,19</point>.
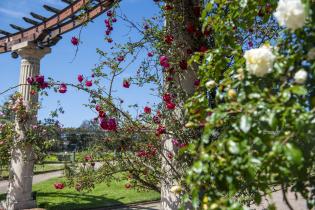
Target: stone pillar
<point>182,14</point>
<point>19,194</point>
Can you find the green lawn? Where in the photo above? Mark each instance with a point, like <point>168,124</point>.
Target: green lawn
<point>39,168</point>
<point>68,199</point>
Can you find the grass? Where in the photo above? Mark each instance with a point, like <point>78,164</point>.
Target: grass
<point>47,168</point>
<point>39,168</point>
<point>79,156</point>
<point>102,195</point>
<point>51,158</point>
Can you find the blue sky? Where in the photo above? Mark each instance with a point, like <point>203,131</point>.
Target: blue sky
<point>58,64</point>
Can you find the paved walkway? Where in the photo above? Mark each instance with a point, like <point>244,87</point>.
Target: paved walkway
<point>148,206</point>
<point>36,179</point>
<point>277,198</point>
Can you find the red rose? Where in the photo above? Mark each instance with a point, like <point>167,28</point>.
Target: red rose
<point>62,88</point>
<point>30,80</point>
<point>147,110</point>
<point>170,105</point>
<point>120,58</point>
<point>88,83</point>
<point>98,108</point>
<point>75,41</point>
<point>101,114</point>
<point>197,82</point>
<point>112,125</point>
<point>40,79</point>
<point>104,124</point>
<point>80,77</point>
<point>156,120</point>
<point>160,130</point>
<point>164,61</point>
<point>126,84</point>
<point>168,7</point>
<point>59,186</point>
<point>169,39</point>
<point>167,97</point>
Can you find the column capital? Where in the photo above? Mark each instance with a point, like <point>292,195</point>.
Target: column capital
<point>30,50</point>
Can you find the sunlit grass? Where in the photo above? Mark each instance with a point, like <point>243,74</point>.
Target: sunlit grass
<point>103,195</point>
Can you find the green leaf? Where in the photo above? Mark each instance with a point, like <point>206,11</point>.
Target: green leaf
<point>299,90</point>
<point>293,154</point>
<point>198,167</point>
<point>272,120</point>
<point>286,95</point>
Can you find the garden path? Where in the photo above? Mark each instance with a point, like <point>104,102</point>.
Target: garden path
<point>36,179</point>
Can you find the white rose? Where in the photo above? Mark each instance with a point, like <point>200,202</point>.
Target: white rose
<point>300,76</point>
<point>290,13</point>
<point>210,84</point>
<point>311,54</point>
<point>259,61</point>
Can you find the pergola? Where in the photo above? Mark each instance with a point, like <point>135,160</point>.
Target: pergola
<point>47,31</point>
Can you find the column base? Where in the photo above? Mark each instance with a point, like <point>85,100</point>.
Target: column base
<point>22,205</point>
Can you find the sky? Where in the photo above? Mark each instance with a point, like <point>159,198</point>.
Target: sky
<point>58,64</point>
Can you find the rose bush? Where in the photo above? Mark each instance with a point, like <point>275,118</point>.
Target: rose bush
<point>259,136</point>
<point>41,134</point>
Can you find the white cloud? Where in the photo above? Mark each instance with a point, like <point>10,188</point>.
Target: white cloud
<point>54,2</point>
<point>12,13</point>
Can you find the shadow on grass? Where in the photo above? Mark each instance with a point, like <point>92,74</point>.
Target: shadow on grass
<point>75,201</point>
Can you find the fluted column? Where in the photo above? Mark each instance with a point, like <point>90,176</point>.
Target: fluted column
<point>29,68</point>
<point>19,194</point>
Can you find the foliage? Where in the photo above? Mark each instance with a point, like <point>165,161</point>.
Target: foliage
<point>42,134</point>
<point>259,133</point>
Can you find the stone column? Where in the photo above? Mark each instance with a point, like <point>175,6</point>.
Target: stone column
<point>183,14</point>
<point>19,194</point>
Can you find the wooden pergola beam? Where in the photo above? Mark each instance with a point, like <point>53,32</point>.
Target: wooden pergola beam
<point>5,33</point>
<point>30,21</point>
<point>18,28</point>
<point>67,1</point>
<point>51,9</point>
<point>62,21</point>
<point>38,17</point>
